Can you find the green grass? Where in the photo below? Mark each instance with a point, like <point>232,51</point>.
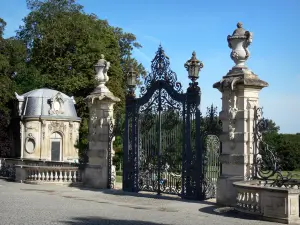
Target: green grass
<point>119,179</point>
<point>119,173</point>
<point>295,174</point>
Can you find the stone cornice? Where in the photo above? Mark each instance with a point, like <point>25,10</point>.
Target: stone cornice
<point>240,76</point>
<point>108,96</point>
<point>50,118</point>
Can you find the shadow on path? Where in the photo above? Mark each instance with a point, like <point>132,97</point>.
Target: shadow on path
<point>118,192</point>
<point>106,221</point>
<point>230,212</point>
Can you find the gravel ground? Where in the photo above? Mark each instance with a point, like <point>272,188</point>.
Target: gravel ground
<point>55,204</point>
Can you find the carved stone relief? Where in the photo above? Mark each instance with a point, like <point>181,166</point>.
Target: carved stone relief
<point>43,128</point>
<point>56,104</point>
<point>251,103</point>
<point>71,130</point>
<point>30,127</point>
<point>57,126</point>
<point>232,111</point>
<point>30,144</point>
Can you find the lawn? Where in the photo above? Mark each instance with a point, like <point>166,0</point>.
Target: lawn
<point>119,179</point>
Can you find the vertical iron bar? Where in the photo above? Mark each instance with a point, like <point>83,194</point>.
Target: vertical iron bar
<point>109,159</point>
<point>126,164</point>
<point>159,140</point>
<point>183,152</point>
<point>188,151</point>
<point>134,150</point>
<point>199,150</point>
<point>137,154</point>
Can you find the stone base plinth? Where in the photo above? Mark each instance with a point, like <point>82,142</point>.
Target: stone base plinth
<point>276,204</point>
<point>226,192</point>
<point>95,177</point>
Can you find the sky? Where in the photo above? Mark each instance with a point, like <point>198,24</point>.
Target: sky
<point>182,27</point>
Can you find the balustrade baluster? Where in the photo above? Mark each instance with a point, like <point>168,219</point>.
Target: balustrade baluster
<point>60,176</point>
<point>244,200</point>
<point>56,176</point>
<point>51,176</point>
<point>43,175</point>
<point>65,176</point>
<point>74,176</point>
<point>70,176</point>
<point>47,175</point>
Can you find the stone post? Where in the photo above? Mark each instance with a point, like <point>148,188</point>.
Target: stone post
<point>240,93</point>
<point>100,103</point>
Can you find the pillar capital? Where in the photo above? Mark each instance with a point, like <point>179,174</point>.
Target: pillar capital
<point>240,77</point>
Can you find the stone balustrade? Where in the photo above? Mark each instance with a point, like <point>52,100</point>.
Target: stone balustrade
<point>277,204</point>
<point>47,174</point>
<point>33,162</point>
<point>248,200</point>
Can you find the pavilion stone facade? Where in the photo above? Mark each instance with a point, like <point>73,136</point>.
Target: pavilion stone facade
<point>240,89</point>
<point>49,126</point>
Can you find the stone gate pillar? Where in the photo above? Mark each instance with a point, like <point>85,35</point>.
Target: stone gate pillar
<point>100,103</point>
<point>240,93</point>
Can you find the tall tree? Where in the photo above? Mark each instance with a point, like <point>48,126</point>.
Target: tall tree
<point>63,45</point>
<point>12,61</point>
<point>271,126</point>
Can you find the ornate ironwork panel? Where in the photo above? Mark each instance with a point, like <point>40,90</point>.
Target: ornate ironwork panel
<point>267,165</point>
<point>7,170</point>
<point>211,128</point>
<point>164,148</point>
<point>111,173</point>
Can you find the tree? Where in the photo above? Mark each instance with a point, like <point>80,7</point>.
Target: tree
<point>63,45</point>
<point>127,42</point>
<point>271,126</point>
<point>12,62</point>
<point>285,146</point>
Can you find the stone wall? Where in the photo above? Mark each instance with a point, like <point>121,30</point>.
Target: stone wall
<point>36,139</point>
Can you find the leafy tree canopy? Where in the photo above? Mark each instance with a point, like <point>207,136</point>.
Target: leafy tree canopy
<point>57,47</point>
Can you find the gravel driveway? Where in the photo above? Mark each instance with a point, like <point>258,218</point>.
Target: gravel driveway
<point>55,204</point>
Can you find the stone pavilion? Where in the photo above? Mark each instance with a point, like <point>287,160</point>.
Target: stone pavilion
<point>49,126</point>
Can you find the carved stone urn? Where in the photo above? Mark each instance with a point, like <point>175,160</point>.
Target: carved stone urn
<point>101,68</point>
<point>239,42</point>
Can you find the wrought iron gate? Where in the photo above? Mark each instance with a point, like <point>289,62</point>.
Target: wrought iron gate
<point>166,139</point>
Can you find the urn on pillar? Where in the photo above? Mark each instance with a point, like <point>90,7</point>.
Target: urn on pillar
<point>239,42</point>
<point>102,68</point>
<point>240,89</point>
<point>99,171</point>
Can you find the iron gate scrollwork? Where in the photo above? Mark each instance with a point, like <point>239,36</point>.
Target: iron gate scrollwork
<point>111,172</point>
<point>164,151</point>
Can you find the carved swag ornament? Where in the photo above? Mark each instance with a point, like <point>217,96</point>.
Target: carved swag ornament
<point>232,111</point>
<point>56,104</point>
<point>57,126</point>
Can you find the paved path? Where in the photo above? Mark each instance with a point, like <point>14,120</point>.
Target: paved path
<point>25,204</point>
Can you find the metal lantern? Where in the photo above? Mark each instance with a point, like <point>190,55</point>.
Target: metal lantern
<point>131,78</point>
<point>193,66</point>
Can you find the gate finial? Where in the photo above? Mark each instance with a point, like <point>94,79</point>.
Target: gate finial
<point>160,71</point>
